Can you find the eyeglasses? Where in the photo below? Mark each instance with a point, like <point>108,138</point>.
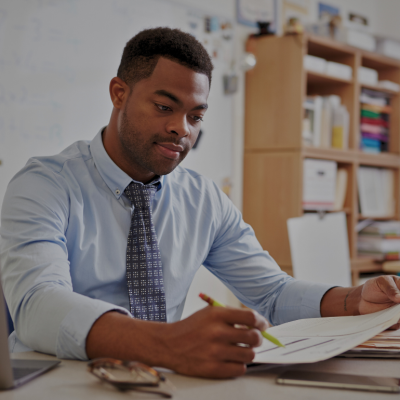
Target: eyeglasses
<point>131,375</point>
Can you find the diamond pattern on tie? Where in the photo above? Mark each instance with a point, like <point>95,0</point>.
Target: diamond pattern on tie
<point>144,272</point>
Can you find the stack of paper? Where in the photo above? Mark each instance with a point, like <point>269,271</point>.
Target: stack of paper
<point>338,70</point>
<point>331,68</point>
<point>367,76</point>
<point>383,345</point>
<point>376,192</point>
<point>315,64</point>
<point>384,340</point>
<point>380,240</point>
<point>385,84</point>
<point>317,339</point>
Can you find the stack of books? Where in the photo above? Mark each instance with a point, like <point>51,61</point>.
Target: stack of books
<point>380,240</point>
<point>375,123</point>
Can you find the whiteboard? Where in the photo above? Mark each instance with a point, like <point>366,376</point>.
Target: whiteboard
<point>320,249</point>
<point>57,58</point>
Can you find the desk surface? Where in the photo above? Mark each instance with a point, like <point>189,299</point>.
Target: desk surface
<point>70,380</point>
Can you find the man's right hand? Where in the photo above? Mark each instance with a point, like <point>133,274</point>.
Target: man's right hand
<point>204,344</point>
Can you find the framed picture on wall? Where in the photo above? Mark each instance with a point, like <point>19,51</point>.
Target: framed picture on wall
<point>249,12</point>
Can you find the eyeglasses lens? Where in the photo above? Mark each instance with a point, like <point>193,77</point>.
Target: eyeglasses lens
<point>122,374</point>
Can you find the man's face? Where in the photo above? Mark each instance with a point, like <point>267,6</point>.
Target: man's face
<point>161,119</point>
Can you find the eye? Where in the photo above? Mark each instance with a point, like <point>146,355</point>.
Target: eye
<point>197,118</point>
<point>162,107</point>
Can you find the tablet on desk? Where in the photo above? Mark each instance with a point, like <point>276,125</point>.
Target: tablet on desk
<point>339,381</point>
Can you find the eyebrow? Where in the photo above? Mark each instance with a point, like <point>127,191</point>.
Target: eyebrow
<point>172,97</point>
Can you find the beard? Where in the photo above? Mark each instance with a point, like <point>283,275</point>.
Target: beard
<point>138,148</point>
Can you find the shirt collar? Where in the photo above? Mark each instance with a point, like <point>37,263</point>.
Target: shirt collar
<point>116,179</point>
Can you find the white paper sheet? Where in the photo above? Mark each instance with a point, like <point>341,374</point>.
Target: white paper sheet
<point>317,339</point>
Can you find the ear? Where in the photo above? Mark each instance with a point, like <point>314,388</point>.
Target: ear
<point>119,92</point>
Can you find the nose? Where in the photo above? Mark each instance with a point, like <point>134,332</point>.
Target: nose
<point>178,125</point>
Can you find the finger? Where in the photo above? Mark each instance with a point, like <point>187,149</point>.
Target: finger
<point>232,353</point>
<point>394,327</point>
<point>396,280</point>
<point>388,286</point>
<point>239,354</point>
<point>222,370</point>
<point>251,337</point>
<point>246,317</point>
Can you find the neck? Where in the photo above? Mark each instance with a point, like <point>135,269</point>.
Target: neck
<point>110,142</point>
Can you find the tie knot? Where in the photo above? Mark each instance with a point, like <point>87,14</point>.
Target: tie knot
<point>140,195</point>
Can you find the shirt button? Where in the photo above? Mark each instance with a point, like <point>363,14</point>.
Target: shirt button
<point>117,191</point>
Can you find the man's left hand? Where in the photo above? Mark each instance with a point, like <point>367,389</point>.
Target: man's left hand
<point>380,293</point>
<point>375,295</point>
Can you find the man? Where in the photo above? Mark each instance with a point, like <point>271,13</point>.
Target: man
<point>114,226</point>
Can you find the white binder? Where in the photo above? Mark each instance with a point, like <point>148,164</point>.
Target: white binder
<point>319,248</point>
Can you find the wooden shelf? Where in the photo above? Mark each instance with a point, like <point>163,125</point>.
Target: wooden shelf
<point>329,154</point>
<point>361,217</point>
<point>384,160</point>
<point>378,61</point>
<point>274,154</point>
<point>326,48</point>
<point>317,78</point>
<point>346,210</point>
<point>365,264</point>
<point>379,89</point>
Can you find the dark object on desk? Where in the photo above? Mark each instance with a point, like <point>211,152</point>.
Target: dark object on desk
<point>14,373</point>
<point>339,381</point>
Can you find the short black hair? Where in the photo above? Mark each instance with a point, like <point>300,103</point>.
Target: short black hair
<point>142,52</point>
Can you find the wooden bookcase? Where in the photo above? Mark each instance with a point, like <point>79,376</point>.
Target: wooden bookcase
<point>274,153</point>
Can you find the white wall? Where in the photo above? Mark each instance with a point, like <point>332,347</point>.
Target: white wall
<point>387,18</point>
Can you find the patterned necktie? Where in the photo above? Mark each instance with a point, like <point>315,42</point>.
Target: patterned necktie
<point>144,273</point>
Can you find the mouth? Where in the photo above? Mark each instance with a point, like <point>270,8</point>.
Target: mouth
<point>169,150</point>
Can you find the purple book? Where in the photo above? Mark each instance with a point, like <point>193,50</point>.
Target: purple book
<point>382,138</point>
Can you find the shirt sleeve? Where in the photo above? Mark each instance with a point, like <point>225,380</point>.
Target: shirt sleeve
<point>238,260</point>
<point>48,316</point>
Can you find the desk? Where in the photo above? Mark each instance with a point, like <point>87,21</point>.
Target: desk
<point>70,380</point>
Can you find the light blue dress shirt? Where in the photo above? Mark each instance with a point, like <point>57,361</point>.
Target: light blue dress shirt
<point>64,227</point>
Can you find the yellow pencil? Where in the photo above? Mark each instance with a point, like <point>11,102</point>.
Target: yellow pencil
<point>215,303</point>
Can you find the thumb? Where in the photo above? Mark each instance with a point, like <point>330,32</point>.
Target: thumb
<point>389,287</point>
